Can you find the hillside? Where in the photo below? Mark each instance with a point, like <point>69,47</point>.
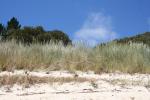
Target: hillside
<point>140,38</point>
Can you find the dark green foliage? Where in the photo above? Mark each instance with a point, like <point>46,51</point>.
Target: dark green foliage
<point>141,38</point>
<point>44,38</point>
<point>2,29</point>
<point>57,36</point>
<point>30,35</point>
<point>13,24</point>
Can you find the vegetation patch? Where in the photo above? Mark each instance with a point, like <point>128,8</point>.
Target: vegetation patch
<point>31,80</point>
<point>128,58</point>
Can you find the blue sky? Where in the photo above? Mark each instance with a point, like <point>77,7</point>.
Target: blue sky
<point>90,20</point>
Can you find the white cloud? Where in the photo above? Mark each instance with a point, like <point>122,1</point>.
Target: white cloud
<point>96,28</point>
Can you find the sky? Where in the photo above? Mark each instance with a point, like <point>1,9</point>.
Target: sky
<point>93,21</point>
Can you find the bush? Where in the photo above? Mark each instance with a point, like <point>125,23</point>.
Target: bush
<point>57,36</point>
<point>28,35</point>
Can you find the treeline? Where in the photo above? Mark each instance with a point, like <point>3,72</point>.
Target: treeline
<point>140,38</point>
<point>30,34</point>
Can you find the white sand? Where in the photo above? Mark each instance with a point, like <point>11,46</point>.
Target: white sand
<point>112,86</point>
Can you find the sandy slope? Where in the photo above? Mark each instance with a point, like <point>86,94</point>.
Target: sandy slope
<point>83,96</point>
<point>112,86</point>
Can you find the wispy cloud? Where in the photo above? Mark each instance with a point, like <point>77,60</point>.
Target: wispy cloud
<point>96,28</point>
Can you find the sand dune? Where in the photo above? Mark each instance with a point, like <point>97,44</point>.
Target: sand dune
<point>107,86</point>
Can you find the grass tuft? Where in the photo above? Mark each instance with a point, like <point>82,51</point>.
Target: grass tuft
<point>129,58</point>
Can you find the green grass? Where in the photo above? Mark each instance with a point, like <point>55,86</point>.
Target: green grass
<point>129,58</point>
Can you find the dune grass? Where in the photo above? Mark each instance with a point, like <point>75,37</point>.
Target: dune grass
<point>27,80</point>
<point>129,58</point>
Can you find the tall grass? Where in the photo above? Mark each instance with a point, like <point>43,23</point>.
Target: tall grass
<point>130,58</point>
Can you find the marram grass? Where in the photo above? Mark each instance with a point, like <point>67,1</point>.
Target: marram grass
<point>129,58</point>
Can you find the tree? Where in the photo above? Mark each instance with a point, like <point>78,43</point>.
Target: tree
<point>140,38</point>
<point>30,34</point>
<point>2,28</point>
<point>13,24</point>
<point>2,32</point>
<point>58,35</point>
<point>25,35</point>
